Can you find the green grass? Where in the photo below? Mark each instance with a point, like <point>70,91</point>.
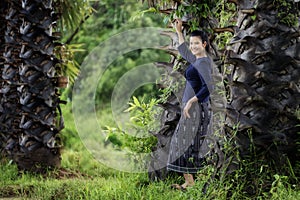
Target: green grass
<point>107,184</point>
<point>98,182</point>
<point>83,177</point>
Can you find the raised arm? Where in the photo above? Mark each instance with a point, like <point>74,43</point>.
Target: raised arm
<point>182,48</point>
<point>186,53</point>
<point>178,28</point>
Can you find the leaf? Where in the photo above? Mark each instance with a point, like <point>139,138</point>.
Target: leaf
<point>130,109</point>
<point>136,101</point>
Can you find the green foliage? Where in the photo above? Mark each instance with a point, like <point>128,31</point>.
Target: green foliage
<point>69,66</point>
<point>135,138</point>
<point>72,13</point>
<point>171,84</point>
<point>141,112</point>
<point>199,12</point>
<point>288,12</point>
<point>110,18</point>
<point>225,13</point>
<point>143,121</point>
<point>250,176</point>
<point>196,12</point>
<point>124,64</point>
<point>9,172</point>
<point>141,13</point>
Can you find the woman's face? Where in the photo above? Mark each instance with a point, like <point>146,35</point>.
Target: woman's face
<point>197,47</point>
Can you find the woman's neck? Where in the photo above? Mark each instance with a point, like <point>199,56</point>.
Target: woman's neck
<point>201,55</point>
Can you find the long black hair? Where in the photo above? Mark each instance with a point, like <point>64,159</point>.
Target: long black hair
<point>203,36</point>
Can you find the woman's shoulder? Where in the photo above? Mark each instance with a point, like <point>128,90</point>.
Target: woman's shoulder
<point>204,60</point>
<point>203,64</point>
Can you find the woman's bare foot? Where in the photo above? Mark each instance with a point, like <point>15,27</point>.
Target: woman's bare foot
<point>178,187</point>
<point>182,187</point>
<point>189,180</point>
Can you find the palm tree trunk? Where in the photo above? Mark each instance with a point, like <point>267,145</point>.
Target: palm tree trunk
<point>3,7</point>
<point>29,97</point>
<point>264,66</point>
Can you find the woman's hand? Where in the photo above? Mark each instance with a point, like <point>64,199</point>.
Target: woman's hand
<point>178,25</point>
<point>186,110</point>
<point>188,106</point>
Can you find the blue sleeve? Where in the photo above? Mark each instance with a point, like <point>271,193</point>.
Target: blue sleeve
<point>204,74</point>
<point>186,53</point>
<point>203,93</point>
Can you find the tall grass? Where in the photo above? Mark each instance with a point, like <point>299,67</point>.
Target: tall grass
<point>120,186</point>
<point>85,178</point>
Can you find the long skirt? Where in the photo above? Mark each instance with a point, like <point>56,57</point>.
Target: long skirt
<point>188,147</point>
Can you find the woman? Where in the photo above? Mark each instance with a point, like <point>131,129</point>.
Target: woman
<point>187,148</point>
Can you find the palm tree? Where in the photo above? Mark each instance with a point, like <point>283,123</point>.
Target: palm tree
<point>263,59</point>
<point>2,31</point>
<point>30,114</point>
<point>262,84</point>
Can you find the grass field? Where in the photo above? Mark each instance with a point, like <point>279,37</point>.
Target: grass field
<point>83,177</point>
<point>95,181</point>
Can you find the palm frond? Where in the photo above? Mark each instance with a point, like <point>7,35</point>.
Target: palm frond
<point>72,13</point>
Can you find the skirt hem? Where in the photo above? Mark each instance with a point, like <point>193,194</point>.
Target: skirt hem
<point>185,170</point>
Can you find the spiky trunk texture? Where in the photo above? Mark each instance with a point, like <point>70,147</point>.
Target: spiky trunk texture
<point>3,5</point>
<point>264,59</point>
<point>29,97</point>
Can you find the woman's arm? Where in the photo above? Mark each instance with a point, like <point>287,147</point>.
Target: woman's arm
<point>182,48</point>
<point>178,28</point>
<point>188,106</point>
